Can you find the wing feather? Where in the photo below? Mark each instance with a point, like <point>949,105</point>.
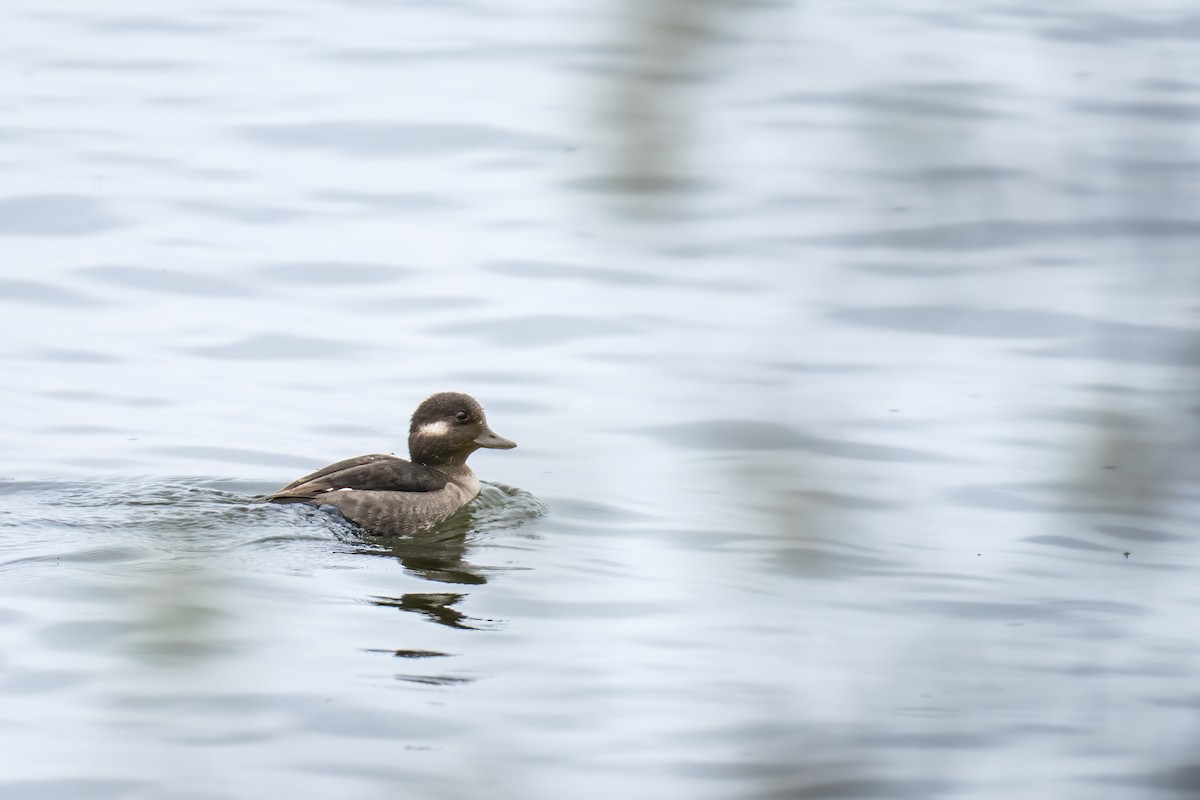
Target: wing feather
<point>373,472</point>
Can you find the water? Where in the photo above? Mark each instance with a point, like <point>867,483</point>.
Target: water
<point>850,351</point>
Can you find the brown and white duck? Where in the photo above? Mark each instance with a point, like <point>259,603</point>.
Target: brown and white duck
<point>386,494</point>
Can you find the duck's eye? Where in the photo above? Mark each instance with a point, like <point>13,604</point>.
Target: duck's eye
<point>462,416</point>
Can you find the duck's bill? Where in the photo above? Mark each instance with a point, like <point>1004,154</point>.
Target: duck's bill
<point>489,439</point>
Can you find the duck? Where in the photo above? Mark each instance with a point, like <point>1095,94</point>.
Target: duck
<point>388,495</point>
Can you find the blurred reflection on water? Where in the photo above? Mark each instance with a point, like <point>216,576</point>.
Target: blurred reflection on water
<point>851,348</point>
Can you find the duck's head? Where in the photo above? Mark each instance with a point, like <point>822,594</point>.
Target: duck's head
<point>447,428</point>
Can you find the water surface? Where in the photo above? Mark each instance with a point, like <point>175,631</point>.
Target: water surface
<point>850,349</point>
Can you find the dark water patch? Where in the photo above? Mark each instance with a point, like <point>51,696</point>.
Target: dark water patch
<point>84,635</point>
<point>1169,85</point>
<point>45,294</point>
<point>821,563</point>
<point>1158,168</point>
<point>408,202</point>
<point>1088,669</point>
<point>434,680</point>
<point>55,215</point>
<point>911,270</point>
<point>842,500</point>
<point>950,740</point>
<point>1091,417</point>
<point>335,273</point>
<point>1000,234</point>
<point>859,788</point>
<point>943,177</point>
<point>1132,533</point>
<point>1068,543</point>
<point>168,280</point>
<point>537,330</point>
<point>1099,339</point>
<point>661,185</point>
<point>911,104</point>
<point>1170,347</point>
<point>377,139</point>
<point>1109,28</point>
<point>1184,780</point>
<point>279,347</point>
<point>71,356</point>
<point>605,276</point>
<point>1142,110</point>
<point>750,435</point>
<point>1045,611</point>
<point>79,789</point>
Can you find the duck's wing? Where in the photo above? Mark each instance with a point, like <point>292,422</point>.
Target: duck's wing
<point>373,472</point>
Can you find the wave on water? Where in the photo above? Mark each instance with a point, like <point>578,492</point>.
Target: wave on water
<point>179,507</point>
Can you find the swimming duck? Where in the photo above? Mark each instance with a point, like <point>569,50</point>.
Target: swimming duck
<point>387,494</point>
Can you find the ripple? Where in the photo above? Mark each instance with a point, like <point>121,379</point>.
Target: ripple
<point>55,215</point>
<point>22,291</point>
<point>1162,112</point>
<point>157,25</point>
<point>999,234</point>
<point>89,788</point>
<point>751,435</point>
<point>896,102</point>
<point>243,213</point>
<point>90,398</point>
<point>538,330</point>
<point>605,276</point>
<point>376,139</point>
<point>71,356</point>
<point>335,273</point>
<point>138,65</point>
<point>977,322</point>
<point>166,280</point>
<point>388,201</point>
<point>278,347</point>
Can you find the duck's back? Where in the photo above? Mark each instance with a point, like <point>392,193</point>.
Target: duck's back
<point>374,472</point>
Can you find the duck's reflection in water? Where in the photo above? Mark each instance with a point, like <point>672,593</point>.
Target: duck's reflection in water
<point>439,556</point>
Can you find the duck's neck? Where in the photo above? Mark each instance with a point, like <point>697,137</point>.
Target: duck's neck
<point>459,473</point>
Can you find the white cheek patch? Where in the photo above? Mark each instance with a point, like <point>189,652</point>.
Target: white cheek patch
<point>439,428</point>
